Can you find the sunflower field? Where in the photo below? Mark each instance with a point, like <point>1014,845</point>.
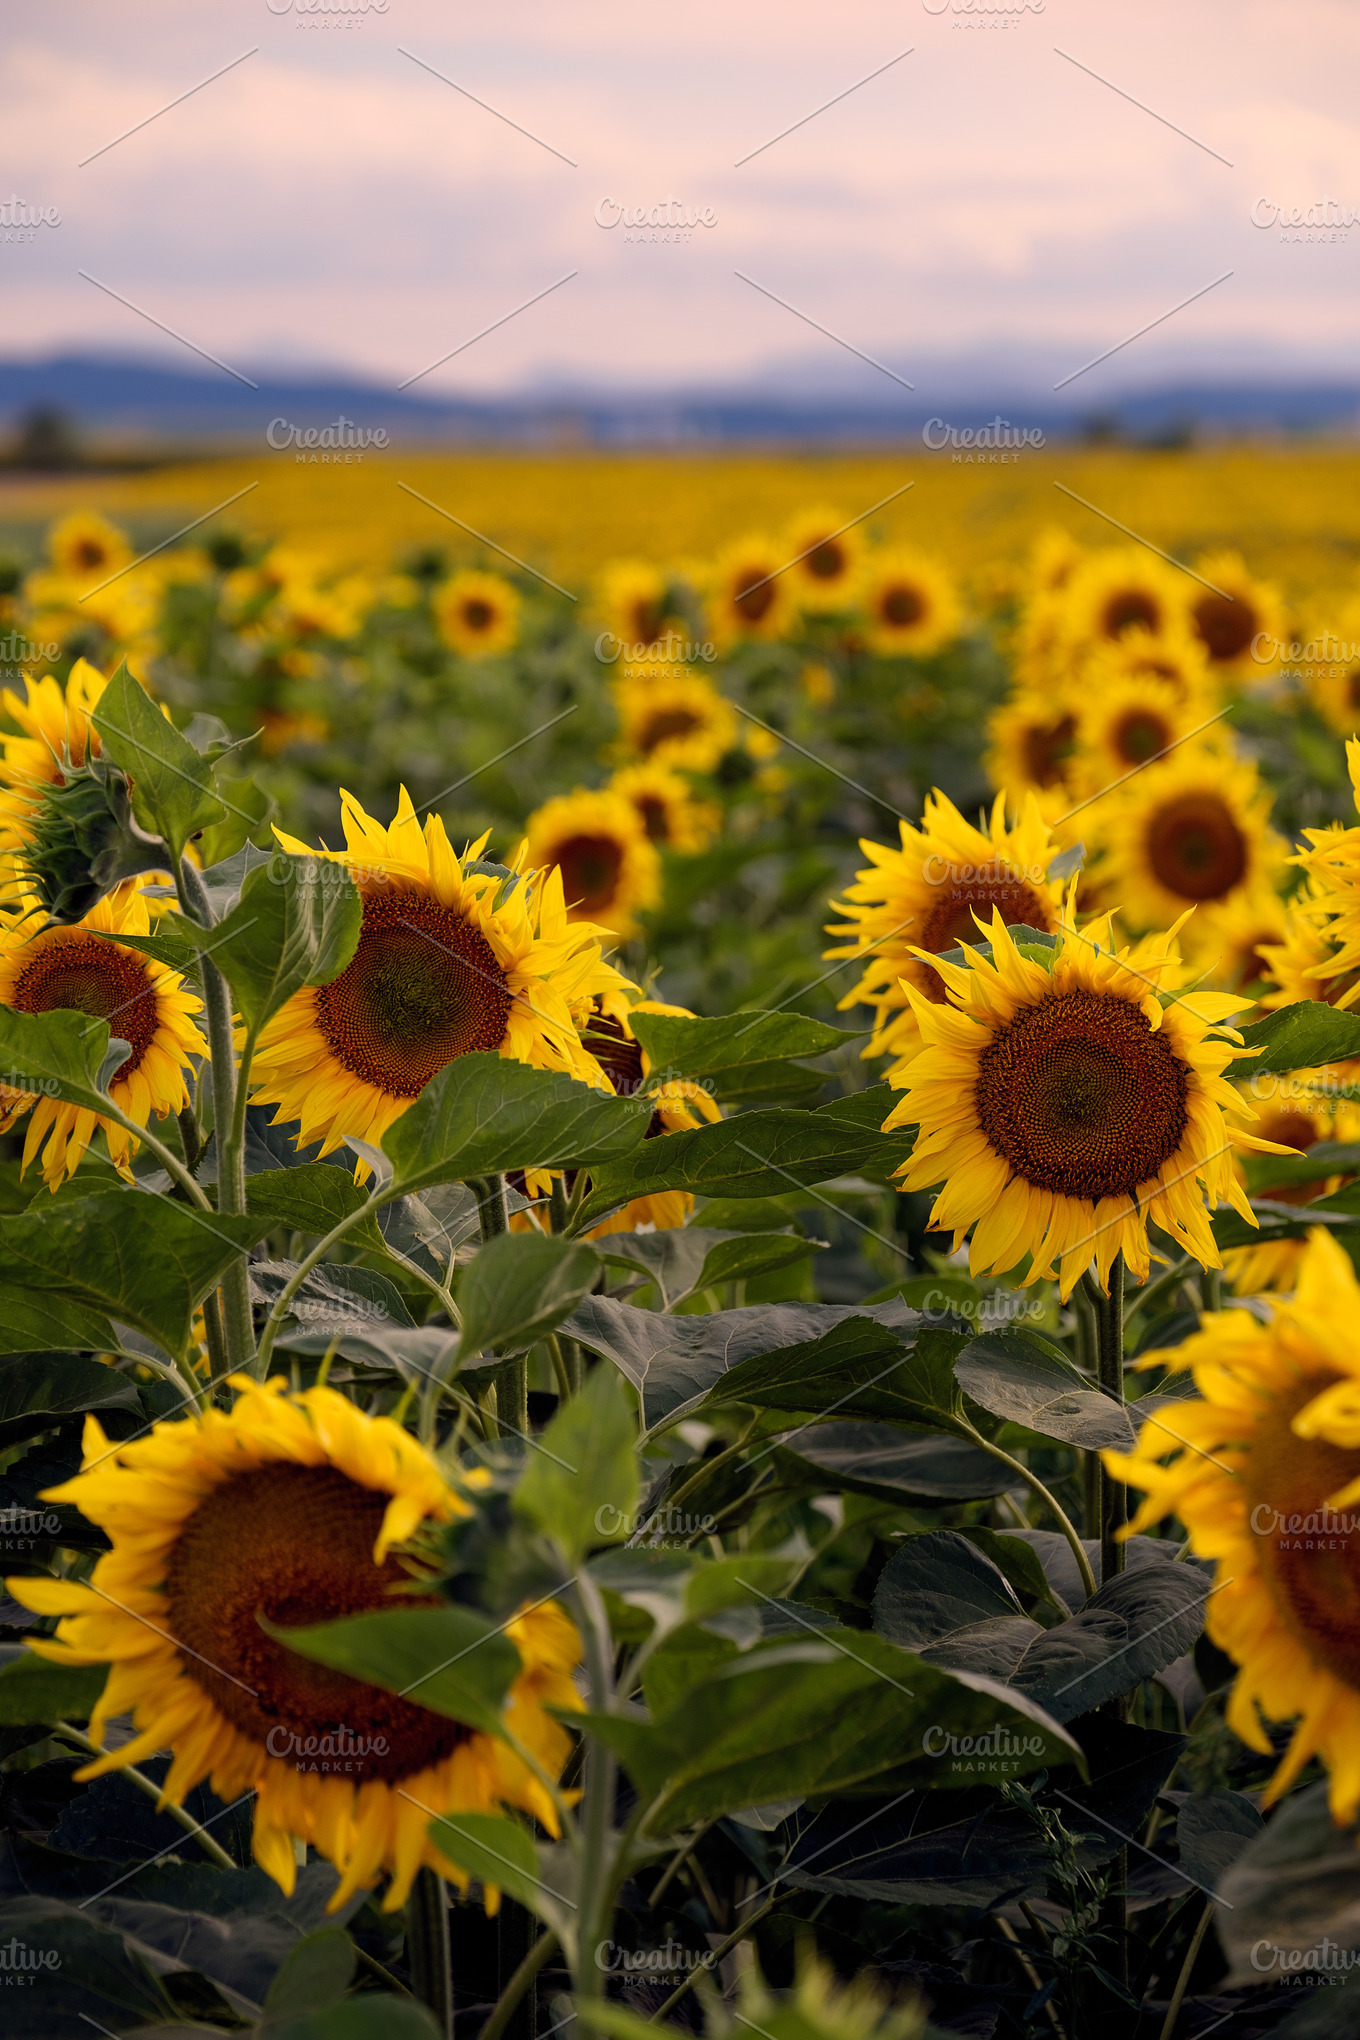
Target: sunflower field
<point>678,1283</point>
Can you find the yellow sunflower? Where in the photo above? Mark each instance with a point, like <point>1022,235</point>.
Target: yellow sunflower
<point>1118,589</point>
<point>85,547</point>
<point>449,960</point>
<point>827,555</point>
<point>1232,943</point>
<point>633,601</point>
<point>610,869</point>
<point>290,1507</point>
<point>1063,1107</point>
<point>923,895</point>
<point>1300,1110</point>
<point>1191,831</point>
<point>1053,559</point>
<point>56,732</point>
<point>76,969</point>
<point>1265,1477</point>
<point>666,807</point>
<point>910,603</point>
<point>1176,659</point>
<point>1032,738</point>
<point>1331,865</point>
<point>1329,662</point>
<point>749,593</point>
<point>477,614</point>
<point>1243,628</point>
<point>685,724</point>
<point>1125,724</point>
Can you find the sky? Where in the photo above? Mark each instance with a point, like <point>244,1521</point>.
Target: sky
<point>983,206</point>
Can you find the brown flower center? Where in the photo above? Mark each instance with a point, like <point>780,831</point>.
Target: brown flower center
<point>422,987</point>
<point>295,1544</point>
<point>754,597</point>
<point>1080,1096</point>
<point>1195,847</point>
<point>478,614</point>
<point>90,553</point>
<point>1139,735</point>
<point>1225,627</point>
<point>647,618</point>
<point>1046,745</point>
<point>655,817</point>
<point>951,922</point>
<point>82,974</point>
<point>618,1056</point>
<point>665,723</point>
<point>590,870</point>
<point>1309,1554</point>
<point>1126,608</point>
<point>1353,687</point>
<point>901,605</point>
<point>826,561</point>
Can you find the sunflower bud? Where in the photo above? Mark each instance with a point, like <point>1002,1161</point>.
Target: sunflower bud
<point>82,841</point>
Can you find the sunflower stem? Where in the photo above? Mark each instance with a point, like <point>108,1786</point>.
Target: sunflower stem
<point>1114,1495</point>
<point>428,1952</point>
<point>1183,1980</point>
<point>509,2000</point>
<point>489,1192</point>
<point>512,1395</point>
<point>597,1812</point>
<point>1050,1500</point>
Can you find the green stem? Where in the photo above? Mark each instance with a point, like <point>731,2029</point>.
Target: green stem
<point>508,2001</point>
<point>723,1949</point>
<point>1211,1288</point>
<point>428,1953</point>
<point>1065,1524</point>
<point>559,1366</point>
<point>1114,1495</point>
<point>1183,1980</point>
<point>279,1310</point>
<point>167,1157</point>
<point>489,1192</point>
<point>597,1812</point>
<point>217,1345</point>
<point>512,1395</point>
<point>676,1864</point>
<point>1153,1292</point>
<point>210,1848</point>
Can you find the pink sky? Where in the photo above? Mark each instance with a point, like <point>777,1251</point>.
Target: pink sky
<point>330,202</point>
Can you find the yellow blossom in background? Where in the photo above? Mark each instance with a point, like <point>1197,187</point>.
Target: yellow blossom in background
<point>666,806</point>
<point>608,865</point>
<point>477,614</point>
<point>1192,830</point>
<point>827,553</point>
<point>1240,621</point>
<point>749,593</point>
<point>910,603</point>
<point>683,723</point>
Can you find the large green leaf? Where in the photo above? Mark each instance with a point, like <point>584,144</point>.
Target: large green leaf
<point>95,1978</point>
<point>519,1287</point>
<point>38,1391</point>
<point>145,1260</point>
<point>821,1715</point>
<point>59,1054</point>
<point>683,1260</point>
<point>893,1465</point>
<point>502,1855</point>
<point>688,1047</point>
<point>853,1368</point>
<point>581,1484</point>
<point>483,1113</point>
<point>296,923</point>
<point>315,1973</point>
<point>45,1320</point>
<point>1327,1158</point>
<point>759,1154</point>
<point>448,1659</point>
<point>311,1198</point>
<point>1298,1037</point>
<point>34,1689</point>
<point>375,2015</point>
<point>1291,1889</point>
<point>170,782</point>
<point>1019,1376</point>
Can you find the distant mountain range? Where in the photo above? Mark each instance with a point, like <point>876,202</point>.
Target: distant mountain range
<point>112,402</point>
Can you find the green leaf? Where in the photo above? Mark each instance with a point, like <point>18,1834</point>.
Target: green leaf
<point>889,1463</point>
<point>817,1716</point>
<point>683,1260</point>
<point>1298,1037</point>
<point>501,1854</point>
<point>519,1287</point>
<point>1294,1886</point>
<point>34,1689</point>
<point>768,1083</point>
<point>374,2016</point>
<point>759,1154</point>
<point>170,783</point>
<point>312,1975</point>
<point>145,1260</point>
<point>1283,1222</point>
<point>687,1047</point>
<point>1212,1830</point>
<point>60,1054</point>
<point>296,923</point>
<point>38,1391</point>
<point>312,1198</point>
<point>853,1368</point>
<point>1328,1158</point>
<point>34,1321</point>
<point>176,951</point>
<point>1023,1378</point>
<point>483,1113</point>
<point>448,1659</point>
<point>249,810</point>
<point>581,1485</point>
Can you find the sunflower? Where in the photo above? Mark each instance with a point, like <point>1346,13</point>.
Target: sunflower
<point>1302,964</point>
<point>685,723</point>
<point>818,683</point>
<point>477,614</point>
<point>1063,1106</point>
<point>1330,665</point>
<point>679,1105</point>
<point>56,732</point>
<point>827,555</point>
<point>610,869</point>
<point>1265,1475</point>
<point>1032,738</point>
<point>923,895</point>
<point>288,1507</point>
<point>1125,724</point>
<point>1233,943</point>
<point>1176,660</point>
<point>449,960</point>
<point>1300,1110</point>
<point>1193,830</point>
<point>1239,621</point>
<point>1331,865</point>
<point>1118,589</point>
<point>1054,558</point>
<point>911,604</point>
<point>634,602</point>
<point>666,807</point>
<point>76,969</point>
<point>750,593</point>
<point>85,546</point>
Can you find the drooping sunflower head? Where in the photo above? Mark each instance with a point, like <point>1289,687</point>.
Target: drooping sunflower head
<point>79,969</point>
<point>827,555</point>
<point>449,960</point>
<point>1120,589</point>
<point>1193,830</point>
<point>477,614</point>
<point>750,594</point>
<point>910,603</point>
<point>1064,1101</point>
<point>924,895</point>
<point>666,807</point>
<point>610,869</point>
<point>685,724</point>
<point>290,1507</point>
<point>1239,621</point>
<point>86,547</point>
<point>1032,739</point>
<point>635,602</point>
<point>1264,1473</point>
